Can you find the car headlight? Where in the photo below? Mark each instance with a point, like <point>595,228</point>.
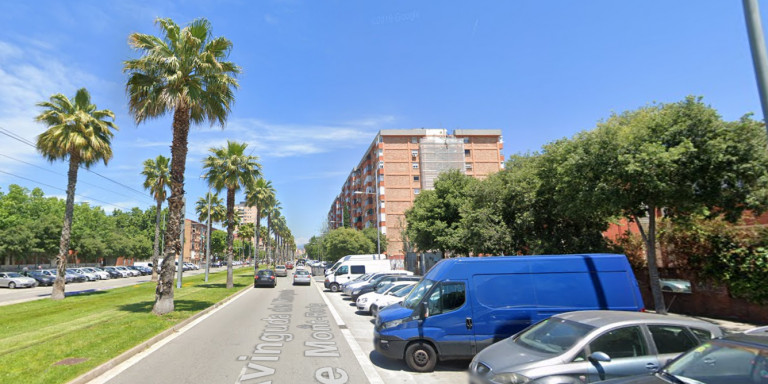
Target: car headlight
<point>392,324</point>
<point>510,378</point>
<point>355,292</point>
<point>363,300</point>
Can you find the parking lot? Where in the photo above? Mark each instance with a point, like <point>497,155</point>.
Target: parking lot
<point>391,371</point>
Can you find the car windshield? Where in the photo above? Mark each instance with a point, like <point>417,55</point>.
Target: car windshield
<point>720,362</point>
<point>12,274</point>
<point>280,267</point>
<point>384,288</point>
<point>417,293</point>
<point>402,291</point>
<point>553,335</point>
<point>302,272</point>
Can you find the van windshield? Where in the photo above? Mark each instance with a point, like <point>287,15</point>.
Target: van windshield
<point>417,294</point>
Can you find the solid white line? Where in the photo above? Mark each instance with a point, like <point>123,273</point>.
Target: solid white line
<point>109,375</point>
<point>370,371</point>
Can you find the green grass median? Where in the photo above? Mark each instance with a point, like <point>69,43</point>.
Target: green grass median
<point>46,341</point>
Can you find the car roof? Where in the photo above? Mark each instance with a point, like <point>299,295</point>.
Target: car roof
<point>603,318</point>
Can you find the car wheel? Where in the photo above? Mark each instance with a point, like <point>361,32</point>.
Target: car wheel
<point>334,287</point>
<point>34,285</point>
<point>254,285</point>
<point>421,357</point>
<point>12,285</point>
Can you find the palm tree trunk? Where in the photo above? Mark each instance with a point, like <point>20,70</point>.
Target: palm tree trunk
<point>269,239</point>
<point>156,249</point>
<point>230,234</point>
<point>256,235</point>
<point>66,230</point>
<point>164,290</point>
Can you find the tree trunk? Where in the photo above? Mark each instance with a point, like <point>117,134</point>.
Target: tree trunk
<point>653,269</point>
<point>66,230</point>
<point>164,290</point>
<point>269,240</point>
<point>156,249</point>
<point>230,234</point>
<point>256,236</point>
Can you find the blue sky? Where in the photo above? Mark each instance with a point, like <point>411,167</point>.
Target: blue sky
<point>320,78</point>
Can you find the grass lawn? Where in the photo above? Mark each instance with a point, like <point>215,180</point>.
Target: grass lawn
<point>96,326</point>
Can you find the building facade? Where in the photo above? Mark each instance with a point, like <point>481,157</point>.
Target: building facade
<point>398,165</point>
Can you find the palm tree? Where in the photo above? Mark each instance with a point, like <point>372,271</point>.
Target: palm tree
<point>217,214</point>
<point>246,231</point>
<point>256,196</point>
<point>79,132</point>
<point>156,180</point>
<point>184,72</point>
<point>230,168</point>
<point>271,208</point>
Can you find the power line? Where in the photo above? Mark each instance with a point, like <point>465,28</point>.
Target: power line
<point>63,190</point>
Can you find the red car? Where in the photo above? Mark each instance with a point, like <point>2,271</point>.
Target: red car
<point>289,265</point>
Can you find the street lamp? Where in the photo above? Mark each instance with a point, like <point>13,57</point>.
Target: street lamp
<point>378,204</point>
<point>208,233</point>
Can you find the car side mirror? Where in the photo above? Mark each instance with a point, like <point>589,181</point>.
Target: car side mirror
<point>423,310</point>
<point>599,357</point>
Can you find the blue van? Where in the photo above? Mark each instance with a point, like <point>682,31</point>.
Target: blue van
<point>463,305</point>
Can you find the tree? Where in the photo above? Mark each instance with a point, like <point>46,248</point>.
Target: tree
<point>218,242</point>
<point>246,231</point>
<point>78,132</point>
<point>346,241</point>
<point>272,208</point>
<point>230,168</point>
<point>217,213</point>
<point>258,195</point>
<point>370,233</point>
<point>185,72</point>
<point>434,220</point>
<point>156,180</point>
<point>679,159</point>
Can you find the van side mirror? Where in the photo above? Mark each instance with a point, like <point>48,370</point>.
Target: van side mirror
<point>423,310</point>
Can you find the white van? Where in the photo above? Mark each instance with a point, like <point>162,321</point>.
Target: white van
<point>370,256</point>
<point>351,269</point>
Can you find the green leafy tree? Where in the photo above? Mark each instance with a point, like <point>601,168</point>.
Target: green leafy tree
<point>246,231</point>
<point>346,241</point>
<point>370,233</point>
<point>81,134</point>
<point>230,168</point>
<point>680,158</point>
<point>434,221</point>
<point>156,179</point>
<point>218,242</point>
<point>185,72</point>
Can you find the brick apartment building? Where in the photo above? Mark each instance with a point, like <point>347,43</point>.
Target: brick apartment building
<point>399,164</point>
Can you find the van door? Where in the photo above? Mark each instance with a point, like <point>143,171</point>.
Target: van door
<point>449,320</point>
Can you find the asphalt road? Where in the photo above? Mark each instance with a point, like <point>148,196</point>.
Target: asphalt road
<point>264,335</point>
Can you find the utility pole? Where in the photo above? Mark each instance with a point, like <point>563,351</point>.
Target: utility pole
<point>208,239</point>
<point>759,58</point>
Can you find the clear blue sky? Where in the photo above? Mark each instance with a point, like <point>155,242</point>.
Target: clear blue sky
<point>320,78</point>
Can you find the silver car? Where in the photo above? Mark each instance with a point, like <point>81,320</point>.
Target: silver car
<point>280,270</point>
<point>302,276</point>
<point>589,346</point>
<point>13,280</point>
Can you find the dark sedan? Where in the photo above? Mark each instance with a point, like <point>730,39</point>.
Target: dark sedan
<point>265,278</point>
<point>41,278</point>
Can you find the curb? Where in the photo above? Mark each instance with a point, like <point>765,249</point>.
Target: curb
<point>103,368</point>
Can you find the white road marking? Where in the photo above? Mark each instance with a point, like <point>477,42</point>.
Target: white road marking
<point>370,371</point>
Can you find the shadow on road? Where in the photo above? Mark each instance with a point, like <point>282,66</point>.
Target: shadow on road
<point>399,365</point>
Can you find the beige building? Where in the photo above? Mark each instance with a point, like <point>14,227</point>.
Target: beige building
<point>247,214</point>
<point>398,165</point>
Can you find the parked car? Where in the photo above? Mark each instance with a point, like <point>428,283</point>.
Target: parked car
<point>143,271</point>
<point>365,300</point>
<point>129,272</point>
<point>265,278</point>
<point>14,280</point>
<point>101,274</point>
<point>594,345</point>
<point>375,284</point>
<point>281,271</point>
<point>115,273</point>
<point>349,287</point>
<point>464,304</point>
<point>76,277</point>
<point>41,278</point>
<point>68,277</point>
<point>79,271</point>
<point>302,276</point>
<point>734,359</point>
<point>392,297</point>
<point>362,279</point>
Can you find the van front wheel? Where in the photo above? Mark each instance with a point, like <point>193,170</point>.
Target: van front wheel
<point>421,357</point>
<point>334,287</point>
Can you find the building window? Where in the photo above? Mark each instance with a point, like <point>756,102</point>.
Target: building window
<point>381,165</point>
<point>416,178</point>
<point>416,191</point>
<point>468,166</point>
<point>466,140</point>
<point>414,153</point>
<point>466,152</point>
<point>415,165</point>
<point>414,140</point>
